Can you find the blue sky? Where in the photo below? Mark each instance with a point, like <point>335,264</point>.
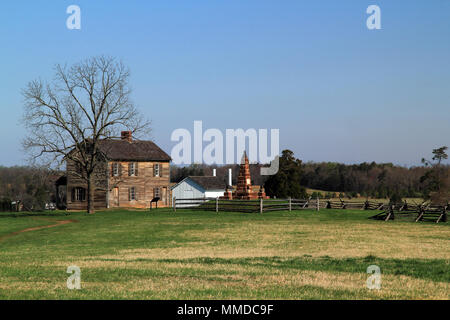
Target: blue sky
<point>336,90</point>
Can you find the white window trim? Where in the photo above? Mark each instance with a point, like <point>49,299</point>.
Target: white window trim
<point>157,169</point>
<point>133,169</point>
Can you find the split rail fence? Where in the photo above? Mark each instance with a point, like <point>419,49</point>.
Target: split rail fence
<point>387,211</point>
<point>429,212</point>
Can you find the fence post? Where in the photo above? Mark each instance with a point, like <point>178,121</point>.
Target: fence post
<point>261,205</point>
<point>217,204</point>
<point>290,204</point>
<point>318,204</point>
<point>174,204</point>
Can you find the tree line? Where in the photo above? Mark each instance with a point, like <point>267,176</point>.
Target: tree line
<point>27,188</point>
<point>375,180</point>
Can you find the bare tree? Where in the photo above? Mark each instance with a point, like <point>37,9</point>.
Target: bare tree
<point>68,117</point>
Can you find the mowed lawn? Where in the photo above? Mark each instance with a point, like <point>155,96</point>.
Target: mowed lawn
<point>204,255</point>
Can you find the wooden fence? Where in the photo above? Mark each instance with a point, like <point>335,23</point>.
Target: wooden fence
<point>428,212</point>
<point>266,205</point>
<point>423,212</point>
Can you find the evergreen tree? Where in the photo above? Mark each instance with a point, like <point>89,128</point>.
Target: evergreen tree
<point>286,183</point>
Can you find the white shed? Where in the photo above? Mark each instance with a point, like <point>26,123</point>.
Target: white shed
<point>199,187</point>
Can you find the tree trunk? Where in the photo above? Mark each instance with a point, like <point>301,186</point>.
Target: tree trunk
<point>90,194</point>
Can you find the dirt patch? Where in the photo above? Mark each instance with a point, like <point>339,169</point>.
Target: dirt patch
<point>57,224</point>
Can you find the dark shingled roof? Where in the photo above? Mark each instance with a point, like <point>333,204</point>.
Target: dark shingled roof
<point>132,151</point>
<point>209,183</point>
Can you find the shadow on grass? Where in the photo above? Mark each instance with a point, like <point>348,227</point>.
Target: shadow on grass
<point>431,269</point>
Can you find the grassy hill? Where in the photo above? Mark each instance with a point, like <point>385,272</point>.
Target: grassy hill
<point>203,255</point>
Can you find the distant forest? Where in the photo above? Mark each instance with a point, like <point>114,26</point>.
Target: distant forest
<point>366,179</point>
<point>33,187</point>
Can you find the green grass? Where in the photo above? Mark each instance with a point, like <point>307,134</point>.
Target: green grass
<point>204,255</point>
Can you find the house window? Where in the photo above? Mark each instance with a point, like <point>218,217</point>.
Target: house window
<point>156,170</point>
<point>156,193</point>
<point>79,194</point>
<point>115,169</point>
<point>133,193</point>
<point>132,169</point>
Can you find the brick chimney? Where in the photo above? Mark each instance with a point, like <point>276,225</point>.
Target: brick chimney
<point>126,135</point>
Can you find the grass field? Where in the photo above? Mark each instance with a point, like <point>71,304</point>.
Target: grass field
<point>204,255</point>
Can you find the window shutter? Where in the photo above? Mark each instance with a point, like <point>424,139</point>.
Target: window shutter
<point>73,194</point>
<point>136,193</point>
<point>112,169</point>
<point>136,167</point>
<point>160,170</point>
<point>154,169</point>
<point>129,194</point>
<point>129,169</point>
<point>120,169</point>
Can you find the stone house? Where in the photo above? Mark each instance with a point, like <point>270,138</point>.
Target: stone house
<point>132,173</point>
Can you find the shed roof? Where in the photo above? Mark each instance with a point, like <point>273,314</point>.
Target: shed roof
<point>207,182</point>
<point>210,182</point>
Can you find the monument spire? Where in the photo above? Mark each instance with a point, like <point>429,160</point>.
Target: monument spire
<point>244,189</point>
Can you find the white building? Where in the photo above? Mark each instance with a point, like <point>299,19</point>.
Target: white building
<point>194,187</point>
